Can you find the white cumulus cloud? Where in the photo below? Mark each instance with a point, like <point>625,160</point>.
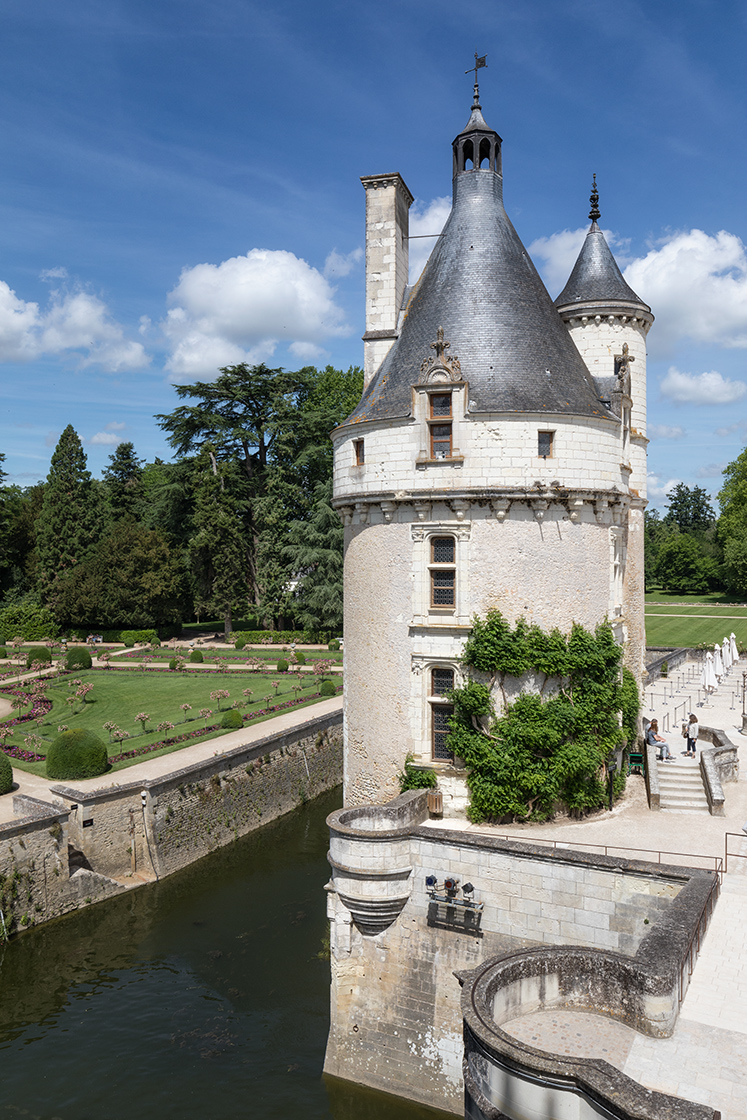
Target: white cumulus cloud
<point>665,431</point>
<point>106,438</point>
<point>556,255</point>
<point>657,489</point>
<point>239,310</point>
<point>710,470</point>
<point>73,322</point>
<point>427,219</point>
<point>339,264</point>
<point>701,388</point>
<point>696,285</point>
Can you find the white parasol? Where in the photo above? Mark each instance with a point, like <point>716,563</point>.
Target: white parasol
<point>718,661</point>
<point>726,654</point>
<point>733,647</point>
<point>708,680</point>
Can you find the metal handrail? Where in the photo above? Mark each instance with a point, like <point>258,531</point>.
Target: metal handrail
<point>716,862</point>
<point>727,853</point>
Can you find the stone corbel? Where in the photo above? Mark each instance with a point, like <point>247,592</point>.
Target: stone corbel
<point>539,508</point>
<point>576,509</point>
<point>602,511</point>
<point>501,506</point>
<point>418,664</point>
<point>346,514</point>
<point>460,506</point>
<point>388,510</point>
<point>422,510</point>
<point>417,533</point>
<point>361,508</point>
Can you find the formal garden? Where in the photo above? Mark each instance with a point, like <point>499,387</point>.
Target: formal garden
<point>138,712</point>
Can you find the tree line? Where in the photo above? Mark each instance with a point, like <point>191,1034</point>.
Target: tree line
<point>238,524</point>
<point>690,548</point>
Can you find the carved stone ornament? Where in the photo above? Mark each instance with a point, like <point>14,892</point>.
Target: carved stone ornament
<point>576,508</point>
<point>362,510</point>
<point>459,507</point>
<point>501,507</point>
<point>422,510</point>
<point>539,506</point>
<point>441,367</point>
<point>622,369</point>
<point>388,509</point>
<point>346,514</point>
<point>417,532</point>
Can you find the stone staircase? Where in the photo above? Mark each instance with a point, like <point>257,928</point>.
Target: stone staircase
<point>681,786</point>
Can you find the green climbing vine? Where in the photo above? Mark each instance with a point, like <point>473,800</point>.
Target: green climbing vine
<point>550,747</point>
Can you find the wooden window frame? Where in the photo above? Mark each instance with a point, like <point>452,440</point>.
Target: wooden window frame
<point>359,452</point>
<point>444,420</point>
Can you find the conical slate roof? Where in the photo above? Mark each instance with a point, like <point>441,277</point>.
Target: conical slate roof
<point>480,285</point>
<point>596,276</point>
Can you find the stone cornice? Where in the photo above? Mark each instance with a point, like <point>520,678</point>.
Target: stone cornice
<point>609,506</point>
<point>608,312</point>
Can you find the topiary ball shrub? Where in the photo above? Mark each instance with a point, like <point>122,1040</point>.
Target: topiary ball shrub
<point>6,774</point>
<point>240,643</point>
<point>3,652</point>
<point>172,664</point>
<point>196,657</point>
<point>38,653</point>
<point>232,720</point>
<point>78,658</point>
<point>327,688</point>
<point>77,754</point>
<point>301,658</point>
<point>282,666</point>
<point>129,643</point>
<point>334,644</point>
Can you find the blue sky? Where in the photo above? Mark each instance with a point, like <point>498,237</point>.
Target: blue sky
<point>179,190</point>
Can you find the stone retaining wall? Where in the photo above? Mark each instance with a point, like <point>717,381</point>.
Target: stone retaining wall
<point>149,829</point>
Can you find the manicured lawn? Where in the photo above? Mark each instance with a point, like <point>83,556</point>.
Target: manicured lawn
<point>689,631</point>
<point>271,655</point>
<point>118,697</point>
<point>714,598</point>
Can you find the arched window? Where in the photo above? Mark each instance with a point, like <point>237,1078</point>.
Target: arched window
<point>468,156</point>
<point>485,153</point>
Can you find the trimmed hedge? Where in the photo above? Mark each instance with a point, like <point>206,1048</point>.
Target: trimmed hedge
<point>78,658</point>
<point>232,720</point>
<point>38,653</point>
<point>327,688</point>
<point>275,637</point>
<point>137,637</point>
<point>196,657</point>
<point>334,644</point>
<point>6,774</point>
<point>77,754</point>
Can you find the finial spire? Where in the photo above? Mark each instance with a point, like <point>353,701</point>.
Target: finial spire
<point>594,213</point>
<point>480,61</point>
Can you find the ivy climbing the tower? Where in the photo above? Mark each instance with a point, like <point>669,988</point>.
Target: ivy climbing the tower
<point>545,751</point>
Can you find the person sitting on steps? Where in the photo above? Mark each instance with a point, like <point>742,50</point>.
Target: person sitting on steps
<point>653,737</point>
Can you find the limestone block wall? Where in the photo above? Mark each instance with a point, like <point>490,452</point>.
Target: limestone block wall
<point>35,879</point>
<point>387,256</point>
<point>165,824</point>
<point>493,451</point>
<point>395,1005</point>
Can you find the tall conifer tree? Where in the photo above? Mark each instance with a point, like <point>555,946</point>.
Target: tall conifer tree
<point>69,522</point>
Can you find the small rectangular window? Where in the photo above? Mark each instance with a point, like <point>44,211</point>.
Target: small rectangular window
<point>442,682</point>
<point>544,444</point>
<point>441,714</point>
<point>440,441</point>
<point>359,451</point>
<point>443,588</point>
<point>440,404</point>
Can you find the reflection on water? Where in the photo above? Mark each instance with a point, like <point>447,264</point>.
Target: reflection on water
<point>203,996</point>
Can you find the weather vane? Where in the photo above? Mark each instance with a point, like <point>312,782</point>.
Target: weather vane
<point>480,61</point>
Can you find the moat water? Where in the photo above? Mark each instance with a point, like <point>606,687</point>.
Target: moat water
<point>202,997</point>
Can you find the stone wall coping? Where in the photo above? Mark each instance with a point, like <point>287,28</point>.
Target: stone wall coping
<point>558,855</point>
<point>651,771</point>
<point>593,1078</point>
<point>214,764</point>
<point>394,820</point>
<point>34,821</point>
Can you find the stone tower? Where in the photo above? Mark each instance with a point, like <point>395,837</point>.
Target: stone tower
<point>491,462</point>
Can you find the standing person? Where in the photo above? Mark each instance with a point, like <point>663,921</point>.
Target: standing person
<point>654,738</point>
<point>692,735</point>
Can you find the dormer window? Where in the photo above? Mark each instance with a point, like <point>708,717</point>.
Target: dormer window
<point>439,423</point>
